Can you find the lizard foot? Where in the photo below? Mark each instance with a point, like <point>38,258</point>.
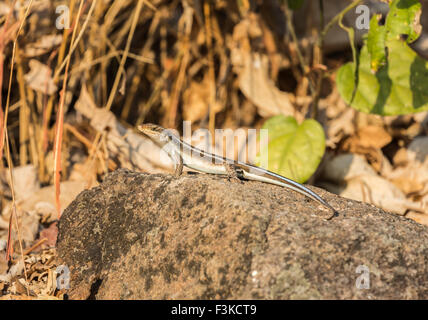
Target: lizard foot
<point>232,173</point>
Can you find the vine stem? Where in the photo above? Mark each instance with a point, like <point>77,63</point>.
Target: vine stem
<point>320,47</point>
<point>336,18</point>
<point>302,62</point>
<point>315,88</point>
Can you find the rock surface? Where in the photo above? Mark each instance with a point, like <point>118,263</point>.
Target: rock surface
<point>140,236</point>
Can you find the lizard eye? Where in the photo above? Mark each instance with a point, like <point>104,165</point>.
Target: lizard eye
<point>164,137</point>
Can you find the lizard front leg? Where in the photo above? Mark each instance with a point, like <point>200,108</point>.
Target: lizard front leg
<point>178,162</point>
<point>178,167</point>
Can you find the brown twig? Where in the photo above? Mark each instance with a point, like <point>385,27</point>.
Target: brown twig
<point>60,123</point>
<point>211,73</point>
<point>39,243</point>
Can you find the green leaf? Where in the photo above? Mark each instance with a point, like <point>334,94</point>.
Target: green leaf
<point>295,4</point>
<point>294,151</point>
<point>376,43</point>
<point>391,78</point>
<point>403,19</point>
<point>400,87</point>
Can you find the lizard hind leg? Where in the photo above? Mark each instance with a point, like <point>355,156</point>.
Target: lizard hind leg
<point>233,174</point>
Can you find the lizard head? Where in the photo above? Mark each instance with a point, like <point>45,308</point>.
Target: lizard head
<point>158,134</point>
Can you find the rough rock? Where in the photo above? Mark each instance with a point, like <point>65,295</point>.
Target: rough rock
<point>140,236</point>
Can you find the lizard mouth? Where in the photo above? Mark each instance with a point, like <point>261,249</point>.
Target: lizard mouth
<point>154,131</point>
<point>148,129</point>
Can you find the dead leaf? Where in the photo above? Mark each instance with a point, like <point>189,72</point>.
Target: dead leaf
<point>20,287</point>
<point>42,45</point>
<point>411,172</point>
<point>14,271</point>
<point>40,78</point>
<point>69,191</point>
<point>132,150</point>
<point>86,172</point>
<point>28,224</point>
<point>368,141</point>
<point>195,100</point>
<point>373,136</point>
<point>256,85</point>
<point>408,186</point>
<point>360,182</point>
<point>380,192</point>
<point>24,180</point>
<point>412,178</point>
<point>400,157</point>
<point>3,264</point>
<point>340,126</point>
<point>46,211</point>
<point>34,208</point>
